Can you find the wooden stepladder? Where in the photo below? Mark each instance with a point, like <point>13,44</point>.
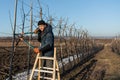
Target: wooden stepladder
<point>53,71</point>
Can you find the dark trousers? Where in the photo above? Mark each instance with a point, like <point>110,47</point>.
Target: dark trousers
<point>47,63</point>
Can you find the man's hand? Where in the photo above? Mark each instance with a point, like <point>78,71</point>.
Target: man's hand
<point>36,30</point>
<point>21,36</point>
<point>21,39</point>
<point>36,50</point>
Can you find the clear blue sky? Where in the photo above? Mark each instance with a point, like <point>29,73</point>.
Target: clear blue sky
<point>99,17</point>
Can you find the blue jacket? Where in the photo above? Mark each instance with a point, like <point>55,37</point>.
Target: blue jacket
<point>47,41</point>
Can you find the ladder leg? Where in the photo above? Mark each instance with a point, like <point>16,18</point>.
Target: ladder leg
<point>57,69</point>
<point>54,64</point>
<point>34,66</point>
<point>39,63</point>
<point>54,70</point>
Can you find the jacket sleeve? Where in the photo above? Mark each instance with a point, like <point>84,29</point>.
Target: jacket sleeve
<point>49,43</point>
<point>39,36</point>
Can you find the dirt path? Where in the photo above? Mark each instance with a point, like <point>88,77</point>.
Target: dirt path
<point>104,66</point>
<point>107,65</point>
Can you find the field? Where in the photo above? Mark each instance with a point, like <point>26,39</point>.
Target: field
<point>96,63</point>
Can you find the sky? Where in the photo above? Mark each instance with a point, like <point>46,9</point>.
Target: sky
<point>99,17</point>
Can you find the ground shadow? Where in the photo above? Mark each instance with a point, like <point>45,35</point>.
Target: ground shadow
<point>85,72</point>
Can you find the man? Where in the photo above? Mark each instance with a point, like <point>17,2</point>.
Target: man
<point>46,38</point>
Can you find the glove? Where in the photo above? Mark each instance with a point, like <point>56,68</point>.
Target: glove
<point>36,50</point>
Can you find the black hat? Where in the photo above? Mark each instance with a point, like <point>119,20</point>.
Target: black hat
<point>41,22</point>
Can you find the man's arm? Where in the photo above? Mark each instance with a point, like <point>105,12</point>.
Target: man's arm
<point>39,36</point>
<point>49,43</point>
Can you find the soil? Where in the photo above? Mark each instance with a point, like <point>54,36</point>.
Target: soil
<point>105,65</point>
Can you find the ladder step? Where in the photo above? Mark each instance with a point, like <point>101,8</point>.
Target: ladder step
<point>46,68</point>
<point>44,71</point>
<point>50,58</point>
<point>46,78</point>
<point>49,68</point>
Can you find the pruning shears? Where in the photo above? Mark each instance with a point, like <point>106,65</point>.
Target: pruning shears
<point>21,38</point>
